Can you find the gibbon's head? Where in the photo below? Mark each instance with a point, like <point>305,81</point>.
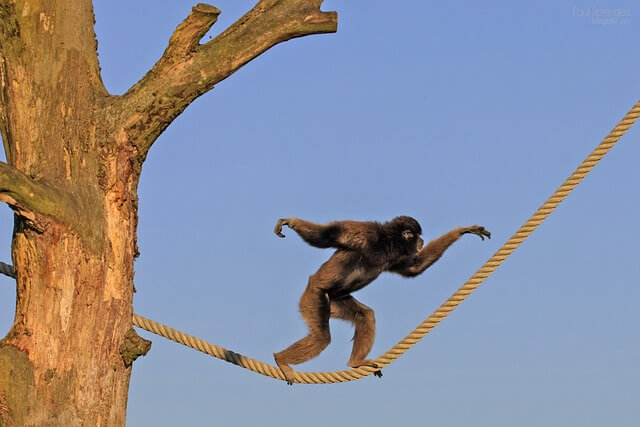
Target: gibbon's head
<point>408,231</point>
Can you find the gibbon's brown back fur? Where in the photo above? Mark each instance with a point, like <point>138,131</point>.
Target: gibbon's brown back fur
<point>363,251</point>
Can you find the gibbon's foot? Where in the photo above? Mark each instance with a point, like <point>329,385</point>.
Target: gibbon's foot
<point>366,362</point>
<point>287,371</point>
<point>478,231</point>
<point>288,374</point>
<point>363,362</point>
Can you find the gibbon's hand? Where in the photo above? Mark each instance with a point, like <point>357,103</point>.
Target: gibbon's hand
<point>278,227</point>
<point>478,231</point>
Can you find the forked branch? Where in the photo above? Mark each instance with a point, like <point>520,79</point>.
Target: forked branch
<point>187,69</point>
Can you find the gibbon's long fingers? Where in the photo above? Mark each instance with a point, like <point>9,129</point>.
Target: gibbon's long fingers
<point>478,231</point>
<point>485,233</point>
<point>278,228</point>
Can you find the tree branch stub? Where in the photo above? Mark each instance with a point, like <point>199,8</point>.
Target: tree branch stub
<point>26,194</point>
<point>133,347</point>
<point>186,38</point>
<point>28,197</point>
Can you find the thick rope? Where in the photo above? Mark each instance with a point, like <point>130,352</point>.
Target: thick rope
<point>430,322</point>
<point>7,270</point>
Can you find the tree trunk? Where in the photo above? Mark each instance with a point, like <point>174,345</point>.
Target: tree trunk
<point>74,157</point>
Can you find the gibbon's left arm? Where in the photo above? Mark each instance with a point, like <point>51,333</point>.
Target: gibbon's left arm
<point>337,234</point>
<point>434,250</point>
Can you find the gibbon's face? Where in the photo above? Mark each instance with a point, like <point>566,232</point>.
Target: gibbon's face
<point>410,231</point>
<point>410,236</point>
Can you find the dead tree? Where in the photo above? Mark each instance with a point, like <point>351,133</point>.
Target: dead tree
<point>74,156</point>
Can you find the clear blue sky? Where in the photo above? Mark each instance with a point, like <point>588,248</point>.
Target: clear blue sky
<point>456,114</point>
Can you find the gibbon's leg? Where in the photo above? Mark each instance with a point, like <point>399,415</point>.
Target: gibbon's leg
<point>314,307</point>
<point>364,322</point>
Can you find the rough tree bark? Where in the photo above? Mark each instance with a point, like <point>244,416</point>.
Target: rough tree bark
<point>74,156</point>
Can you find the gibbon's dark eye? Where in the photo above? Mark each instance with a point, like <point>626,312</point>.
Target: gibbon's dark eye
<point>407,235</point>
